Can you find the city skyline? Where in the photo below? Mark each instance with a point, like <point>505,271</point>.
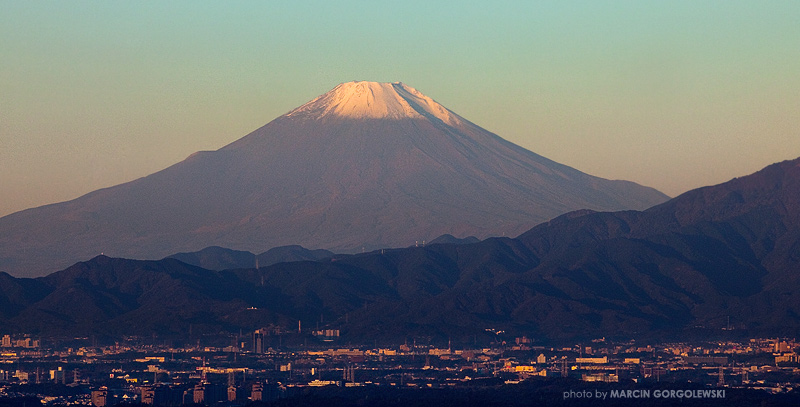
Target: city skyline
<point>673,96</point>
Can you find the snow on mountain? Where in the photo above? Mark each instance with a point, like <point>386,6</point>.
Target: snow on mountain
<point>374,100</point>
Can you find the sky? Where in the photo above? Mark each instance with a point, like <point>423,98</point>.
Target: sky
<point>675,95</point>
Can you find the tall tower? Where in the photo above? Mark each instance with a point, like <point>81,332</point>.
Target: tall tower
<point>258,341</point>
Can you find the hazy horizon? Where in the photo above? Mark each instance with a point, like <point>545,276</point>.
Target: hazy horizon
<point>673,96</point>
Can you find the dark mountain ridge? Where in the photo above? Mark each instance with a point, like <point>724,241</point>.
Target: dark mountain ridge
<point>715,258</point>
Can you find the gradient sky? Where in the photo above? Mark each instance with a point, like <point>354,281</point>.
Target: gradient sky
<point>670,94</point>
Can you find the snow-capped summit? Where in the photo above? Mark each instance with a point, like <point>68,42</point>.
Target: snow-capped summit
<point>375,100</point>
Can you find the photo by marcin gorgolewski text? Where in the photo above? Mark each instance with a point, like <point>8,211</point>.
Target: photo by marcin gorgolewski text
<point>645,394</point>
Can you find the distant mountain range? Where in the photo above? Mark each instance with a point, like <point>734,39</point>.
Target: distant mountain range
<point>720,257</point>
<point>219,258</point>
<point>367,165</point>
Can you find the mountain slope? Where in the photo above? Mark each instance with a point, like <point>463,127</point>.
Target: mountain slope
<point>719,257</point>
<point>366,165</point>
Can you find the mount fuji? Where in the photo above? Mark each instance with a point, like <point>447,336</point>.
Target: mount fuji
<point>366,165</point>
